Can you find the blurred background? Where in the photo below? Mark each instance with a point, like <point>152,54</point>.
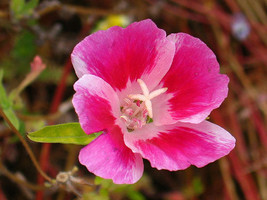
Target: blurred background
<point>236,30</point>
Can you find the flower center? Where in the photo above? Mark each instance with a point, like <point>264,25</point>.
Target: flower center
<point>137,108</point>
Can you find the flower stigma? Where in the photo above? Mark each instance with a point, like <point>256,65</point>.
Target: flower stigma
<point>137,108</point>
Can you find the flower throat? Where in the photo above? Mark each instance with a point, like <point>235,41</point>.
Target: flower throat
<point>137,108</point>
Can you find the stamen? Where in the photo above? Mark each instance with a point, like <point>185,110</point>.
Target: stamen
<point>157,92</point>
<point>143,87</point>
<point>146,96</point>
<point>139,97</point>
<point>129,111</point>
<point>128,101</point>
<point>137,109</point>
<point>148,105</point>
<point>124,117</point>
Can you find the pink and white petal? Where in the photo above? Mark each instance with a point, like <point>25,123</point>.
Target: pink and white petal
<point>161,110</point>
<point>96,104</point>
<point>108,157</point>
<point>177,146</point>
<point>121,56</point>
<point>193,81</point>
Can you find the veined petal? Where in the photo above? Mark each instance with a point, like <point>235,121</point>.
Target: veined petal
<point>121,56</point>
<point>108,157</point>
<point>194,83</point>
<point>96,104</point>
<point>177,146</point>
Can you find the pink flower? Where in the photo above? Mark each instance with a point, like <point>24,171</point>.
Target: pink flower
<point>150,95</point>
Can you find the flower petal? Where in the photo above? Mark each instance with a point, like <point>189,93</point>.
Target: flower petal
<point>195,86</point>
<point>96,103</point>
<point>108,157</point>
<point>120,56</point>
<point>177,146</point>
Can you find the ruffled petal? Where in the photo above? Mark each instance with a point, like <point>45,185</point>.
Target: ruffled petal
<point>177,146</point>
<point>96,104</point>
<point>121,56</point>
<point>195,86</point>
<point>108,157</point>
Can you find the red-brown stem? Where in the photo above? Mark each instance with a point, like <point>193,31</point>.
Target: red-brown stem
<point>237,130</point>
<point>244,179</point>
<point>2,195</point>
<point>233,6</point>
<point>45,152</point>
<point>25,145</point>
<point>254,44</point>
<point>255,116</point>
<point>257,121</point>
<point>44,157</point>
<point>182,12</point>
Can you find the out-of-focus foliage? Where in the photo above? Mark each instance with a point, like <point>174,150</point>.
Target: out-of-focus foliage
<point>21,54</point>
<point>24,48</point>
<point>51,28</point>
<point>107,190</point>
<point>22,8</point>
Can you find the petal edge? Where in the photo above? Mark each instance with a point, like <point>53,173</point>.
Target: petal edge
<point>177,146</point>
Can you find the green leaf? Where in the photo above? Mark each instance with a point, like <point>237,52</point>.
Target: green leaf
<point>3,97</point>
<point>12,117</point>
<point>6,104</point>
<point>70,133</point>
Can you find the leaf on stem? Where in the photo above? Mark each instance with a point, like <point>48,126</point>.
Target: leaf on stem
<point>70,133</point>
<point>6,104</point>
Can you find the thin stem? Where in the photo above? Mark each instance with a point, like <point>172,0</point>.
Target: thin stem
<point>228,180</point>
<point>17,180</point>
<point>26,146</point>
<point>77,9</point>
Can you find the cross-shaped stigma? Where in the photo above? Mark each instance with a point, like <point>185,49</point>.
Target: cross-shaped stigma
<point>146,97</point>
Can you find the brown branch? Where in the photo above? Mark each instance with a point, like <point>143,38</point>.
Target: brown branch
<point>26,146</point>
<point>17,180</point>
